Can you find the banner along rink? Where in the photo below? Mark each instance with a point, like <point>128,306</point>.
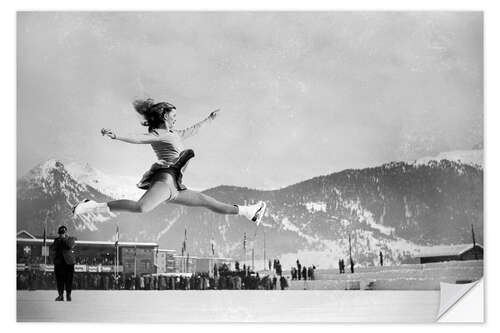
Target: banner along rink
<point>229,306</point>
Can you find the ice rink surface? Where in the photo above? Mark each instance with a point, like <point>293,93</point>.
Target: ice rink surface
<point>229,306</point>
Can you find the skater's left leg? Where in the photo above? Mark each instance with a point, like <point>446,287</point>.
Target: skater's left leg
<point>196,199</point>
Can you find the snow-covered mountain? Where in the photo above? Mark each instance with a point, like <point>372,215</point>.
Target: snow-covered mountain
<point>118,187</point>
<point>47,194</point>
<point>398,208</point>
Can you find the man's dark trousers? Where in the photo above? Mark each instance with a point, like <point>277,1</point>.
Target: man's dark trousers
<point>64,278</point>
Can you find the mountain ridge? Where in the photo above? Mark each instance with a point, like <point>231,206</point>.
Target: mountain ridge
<point>398,207</point>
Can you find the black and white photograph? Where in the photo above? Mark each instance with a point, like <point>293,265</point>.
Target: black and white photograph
<point>247,166</point>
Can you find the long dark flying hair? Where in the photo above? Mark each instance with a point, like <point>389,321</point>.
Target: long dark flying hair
<point>152,112</point>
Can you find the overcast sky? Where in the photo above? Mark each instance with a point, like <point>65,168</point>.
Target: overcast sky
<point>302,94</point>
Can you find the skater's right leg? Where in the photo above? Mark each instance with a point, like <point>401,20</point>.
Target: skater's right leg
<point>196,199</point>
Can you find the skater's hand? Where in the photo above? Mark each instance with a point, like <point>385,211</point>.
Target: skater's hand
<point>109,133</point>
<point>213,115</point>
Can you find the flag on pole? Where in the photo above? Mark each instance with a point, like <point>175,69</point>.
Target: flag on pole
<point>245,241</point>
<point>44,245</point>
<point>156,259</point>
<point>213,249</point>
<point>117,235</point>
<point>184,243</point>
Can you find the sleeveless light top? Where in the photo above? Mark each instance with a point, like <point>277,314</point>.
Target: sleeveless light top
<point>170,145</point>
<point>169,148</point>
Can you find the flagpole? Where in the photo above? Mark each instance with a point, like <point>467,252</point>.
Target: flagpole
<point>186,259</point>
<point>157,260</point>
<point>253,262</point>
<point>116,253</point>
<point>211,262</point>
<point>473,242</point>
<point>265,250</point>
<point>473,236</point>
<point>135,261</point>
<point>45,239</point>
<point>45,243</point>
<point>245,247</point>
<point>350,255</point>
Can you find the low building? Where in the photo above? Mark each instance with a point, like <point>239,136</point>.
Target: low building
<point>134,258</point>
<point>165,261</point>
<point>452,253</point>
<point>185,264</point>
<point>91,256</point>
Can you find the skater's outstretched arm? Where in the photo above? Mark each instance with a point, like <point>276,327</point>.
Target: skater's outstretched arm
<point>143,138</point>
<point>190,131</point>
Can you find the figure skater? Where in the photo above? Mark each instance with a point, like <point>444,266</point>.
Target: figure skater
<point>163,181</point>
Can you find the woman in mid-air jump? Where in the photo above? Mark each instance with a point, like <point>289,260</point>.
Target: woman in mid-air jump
<point>163,181</point>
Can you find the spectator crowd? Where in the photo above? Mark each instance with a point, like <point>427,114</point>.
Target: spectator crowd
<point>302,272</point>
<point>223,278</point>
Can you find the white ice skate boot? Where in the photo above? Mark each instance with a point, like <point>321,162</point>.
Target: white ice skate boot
<point>89,206</point>
<point>253,212</point>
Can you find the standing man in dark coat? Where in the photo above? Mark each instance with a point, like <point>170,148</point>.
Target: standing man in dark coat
<point>64,262</point>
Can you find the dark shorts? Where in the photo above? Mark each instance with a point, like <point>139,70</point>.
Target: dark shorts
<point>167,173</point>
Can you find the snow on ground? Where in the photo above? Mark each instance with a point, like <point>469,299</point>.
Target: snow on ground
<point>287,225</point>
<point>401,277</point>
<point>366,216</point>
<point>314,207</point>
<point>395,251</point>
<point>471,157</point>
<point>229,306</point>
<point>365,241</point>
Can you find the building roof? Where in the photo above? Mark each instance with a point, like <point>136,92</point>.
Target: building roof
<point>166,250</point>
<point>97,243</point>
<point>24,234</point>
<point>143,244</point>
<point>446,250</point>
<point>196,257</point>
